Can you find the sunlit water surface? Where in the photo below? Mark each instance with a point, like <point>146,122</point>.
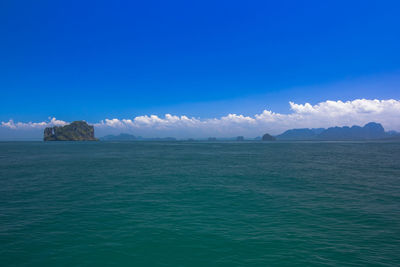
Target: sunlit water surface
<point>199,204</point>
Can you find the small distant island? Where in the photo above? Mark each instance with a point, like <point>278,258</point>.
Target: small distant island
<point>268,137</point>
<point>75,131</point>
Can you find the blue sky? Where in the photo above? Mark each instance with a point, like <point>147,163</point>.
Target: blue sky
<point>93,60</point>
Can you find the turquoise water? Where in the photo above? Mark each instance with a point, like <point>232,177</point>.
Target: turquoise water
<point>199,204</point>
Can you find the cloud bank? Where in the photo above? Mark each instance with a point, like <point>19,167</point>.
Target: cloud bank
<point>32,125</point>
<point>324,114</point>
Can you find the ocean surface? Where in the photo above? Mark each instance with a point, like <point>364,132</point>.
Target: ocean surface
<point>199,204</point>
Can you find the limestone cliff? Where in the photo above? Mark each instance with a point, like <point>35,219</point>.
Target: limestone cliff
<point>76,131</point>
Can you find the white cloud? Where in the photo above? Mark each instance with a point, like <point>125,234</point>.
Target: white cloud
<point>32,125</point>
<point>324,114</point>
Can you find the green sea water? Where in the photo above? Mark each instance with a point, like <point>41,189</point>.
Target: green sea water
<point>199,204</point>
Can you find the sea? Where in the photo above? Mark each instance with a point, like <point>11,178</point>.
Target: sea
<point>199,203</point>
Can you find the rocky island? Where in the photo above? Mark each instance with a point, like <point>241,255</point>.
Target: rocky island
<point>75,131</point>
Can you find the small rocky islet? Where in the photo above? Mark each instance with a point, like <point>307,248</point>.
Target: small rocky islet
<point>75,131</point>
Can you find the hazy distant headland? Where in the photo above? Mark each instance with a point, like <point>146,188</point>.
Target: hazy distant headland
<point>370,131</point>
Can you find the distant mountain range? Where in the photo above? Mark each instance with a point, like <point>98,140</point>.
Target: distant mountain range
<point>130,137</point>
<point>370,131</point>
<point>120,137</point>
